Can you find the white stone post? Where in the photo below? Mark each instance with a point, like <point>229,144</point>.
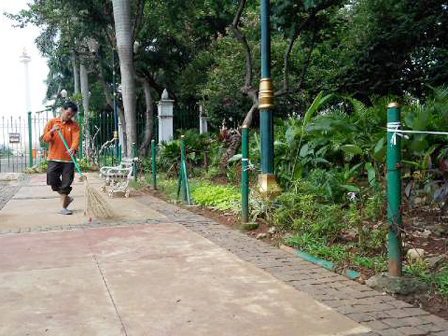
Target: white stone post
<point>25,59</point>
<point>203,126</point>
<point>165,115</point>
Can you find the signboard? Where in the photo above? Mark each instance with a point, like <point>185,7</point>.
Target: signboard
<point>14,137</point>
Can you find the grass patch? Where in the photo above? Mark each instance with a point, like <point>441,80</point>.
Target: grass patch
<point>340,254</point>
<point>222,197</point>
<point>437,280</point>
<point>204,193</point>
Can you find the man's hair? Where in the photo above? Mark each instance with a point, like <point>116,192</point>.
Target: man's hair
<point>71,105</point>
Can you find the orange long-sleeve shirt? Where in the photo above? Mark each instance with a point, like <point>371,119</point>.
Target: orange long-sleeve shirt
<point>57,150</point>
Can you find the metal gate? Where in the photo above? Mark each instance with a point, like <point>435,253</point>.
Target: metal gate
<point>20,145</point>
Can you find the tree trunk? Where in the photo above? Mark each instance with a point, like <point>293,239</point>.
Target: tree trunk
<point>123,31</point>
<point>85,105</point>
<point>149,112</point>
<point>234,143</point>
<point>75,72</point>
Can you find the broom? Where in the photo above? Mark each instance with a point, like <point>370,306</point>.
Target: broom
<point>95,205</point>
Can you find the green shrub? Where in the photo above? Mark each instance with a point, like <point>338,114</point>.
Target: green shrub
<point>222,197</point>
<point>441,281</point>
<point>303,213</point>
<point>199,151</point>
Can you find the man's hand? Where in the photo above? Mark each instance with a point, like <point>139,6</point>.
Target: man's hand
<point>54,128</point>
<point>72,151</point>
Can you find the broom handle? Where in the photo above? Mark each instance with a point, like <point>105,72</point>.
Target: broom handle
<point>70,153</point>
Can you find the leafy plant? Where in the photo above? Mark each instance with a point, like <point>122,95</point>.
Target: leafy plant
<point>222,197</point>
<point>303,213</point>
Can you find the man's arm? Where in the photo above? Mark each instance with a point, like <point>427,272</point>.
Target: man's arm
<point>48,134</point>
<point>75,139</point>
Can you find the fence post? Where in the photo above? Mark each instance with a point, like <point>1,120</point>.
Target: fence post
<point>183,176</point>
<point>81,120</point>
<point>244,175</point>
<point>153,164</point>
<point>30,139</point>
<point>394,190</point>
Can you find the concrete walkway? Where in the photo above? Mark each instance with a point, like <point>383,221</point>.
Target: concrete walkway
<point>158,270</point>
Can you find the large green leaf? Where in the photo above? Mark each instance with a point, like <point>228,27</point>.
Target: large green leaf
<point>291,134</point>
<point>318,102</point>
<point>236,157</point>
<point>379,152</point>
<point>350,187</point>
<point>411,163</point>
<point>427,157</point>
<point>420,121</point>
<point>356,104</point>
<point>351,172</point>
<point>379,145</point>
<point>370,173</point>
<point>352,149</point>
<point>304,150</point>
<point>419,144</point>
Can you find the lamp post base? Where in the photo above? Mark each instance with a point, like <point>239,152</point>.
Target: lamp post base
<point>268,185</point>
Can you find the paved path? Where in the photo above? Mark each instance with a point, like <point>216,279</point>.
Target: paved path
<point>161,270</point>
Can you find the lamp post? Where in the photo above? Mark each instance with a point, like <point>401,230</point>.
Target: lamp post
<point>118,125</point>
<point>64,94</point>
<point>266,179</point>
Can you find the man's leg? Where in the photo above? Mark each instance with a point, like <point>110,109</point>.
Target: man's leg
<point>54,171</point>
<point>68,174</point>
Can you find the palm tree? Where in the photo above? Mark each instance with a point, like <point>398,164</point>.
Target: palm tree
<point>123,31</point>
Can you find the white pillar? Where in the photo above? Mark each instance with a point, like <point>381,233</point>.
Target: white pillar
<point>25,59</point>
<point>165,115</point>
<point>203,126</point>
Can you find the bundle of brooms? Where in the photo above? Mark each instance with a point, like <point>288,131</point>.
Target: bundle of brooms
<point>95,206</point>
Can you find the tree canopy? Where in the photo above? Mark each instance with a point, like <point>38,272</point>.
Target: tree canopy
<point>207,52</point>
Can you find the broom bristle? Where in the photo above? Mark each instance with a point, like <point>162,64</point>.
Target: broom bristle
<point>96,206</point>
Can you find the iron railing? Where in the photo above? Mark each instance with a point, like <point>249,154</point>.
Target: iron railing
<point>16,154</point>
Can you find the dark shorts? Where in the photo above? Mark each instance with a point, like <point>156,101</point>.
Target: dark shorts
<point>60,176</point>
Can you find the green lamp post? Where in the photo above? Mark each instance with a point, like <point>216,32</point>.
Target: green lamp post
<point>266,179</point>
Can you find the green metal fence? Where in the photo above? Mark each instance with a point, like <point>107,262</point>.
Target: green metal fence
<point>16,154</point>
<point>101,128</point>
<point>186,117</point>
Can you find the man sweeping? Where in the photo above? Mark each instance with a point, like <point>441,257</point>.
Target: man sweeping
<point>60,168</point>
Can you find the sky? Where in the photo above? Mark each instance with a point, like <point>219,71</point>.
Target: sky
<point>12,72</point>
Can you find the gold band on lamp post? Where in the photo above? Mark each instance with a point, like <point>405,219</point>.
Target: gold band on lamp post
<point>116,135</point>
<point>266,95</point>
<point>268,185</point>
